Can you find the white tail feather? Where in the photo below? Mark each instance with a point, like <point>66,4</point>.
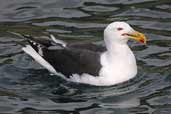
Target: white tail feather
<point>58,41</point>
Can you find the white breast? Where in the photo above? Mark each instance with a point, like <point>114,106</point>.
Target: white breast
<point>119,65</point>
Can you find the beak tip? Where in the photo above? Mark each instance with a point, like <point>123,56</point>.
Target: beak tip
<point>143,41</point>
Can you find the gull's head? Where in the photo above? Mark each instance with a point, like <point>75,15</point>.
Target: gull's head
<point>120,32</point>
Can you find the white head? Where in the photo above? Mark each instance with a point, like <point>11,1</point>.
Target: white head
<point>120,32</point>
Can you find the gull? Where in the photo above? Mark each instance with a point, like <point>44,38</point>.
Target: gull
<point>89,63</point>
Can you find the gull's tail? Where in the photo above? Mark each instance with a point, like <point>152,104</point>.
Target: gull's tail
<point>36,48</point>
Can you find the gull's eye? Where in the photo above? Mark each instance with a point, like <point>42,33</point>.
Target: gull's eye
<point>119,29</point>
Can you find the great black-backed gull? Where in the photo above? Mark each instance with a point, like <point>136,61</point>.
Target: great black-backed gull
<point>89,63</point>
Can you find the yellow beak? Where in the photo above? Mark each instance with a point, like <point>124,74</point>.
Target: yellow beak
<point>137,36</point>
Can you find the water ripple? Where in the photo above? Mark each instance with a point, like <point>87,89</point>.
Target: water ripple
<point>26,87</point>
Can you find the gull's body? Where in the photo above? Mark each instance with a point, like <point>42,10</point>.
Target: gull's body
<point>89,63</point>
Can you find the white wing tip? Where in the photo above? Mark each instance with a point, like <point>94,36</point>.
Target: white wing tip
<point>58,41</point>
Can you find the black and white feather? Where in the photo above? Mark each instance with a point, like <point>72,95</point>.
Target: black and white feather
<point>67,59</point>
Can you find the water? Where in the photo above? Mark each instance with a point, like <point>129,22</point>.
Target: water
<point>27,88</point>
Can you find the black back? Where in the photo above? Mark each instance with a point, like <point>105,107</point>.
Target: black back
<point>72,59</point>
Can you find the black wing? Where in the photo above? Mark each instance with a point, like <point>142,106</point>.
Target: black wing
<point>72,59</point>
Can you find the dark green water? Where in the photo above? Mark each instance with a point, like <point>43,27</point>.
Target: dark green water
<point>27,88</point>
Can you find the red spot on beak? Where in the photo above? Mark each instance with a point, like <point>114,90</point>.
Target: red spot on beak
<point>142,40</point>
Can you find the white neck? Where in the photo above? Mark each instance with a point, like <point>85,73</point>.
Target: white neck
<point>116,48</point>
